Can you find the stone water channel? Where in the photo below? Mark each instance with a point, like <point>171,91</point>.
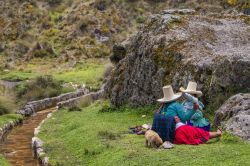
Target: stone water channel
<point>16,146</point>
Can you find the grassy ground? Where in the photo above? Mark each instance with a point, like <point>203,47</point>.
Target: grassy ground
<point>88,72</point>
<point>3,161</point>
<point>9,117</point>
<point>97,137</point>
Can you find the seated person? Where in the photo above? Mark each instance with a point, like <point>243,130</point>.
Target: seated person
<point>191,97</point>
<point>185,134</point>
<point>171,106</point>
<point>164,122</point>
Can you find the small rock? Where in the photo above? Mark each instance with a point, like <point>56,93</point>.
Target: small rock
<point>179,11</point>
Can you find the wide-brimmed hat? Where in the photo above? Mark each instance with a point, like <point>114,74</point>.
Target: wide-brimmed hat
<point>191,89</point>
<point>169,95</point>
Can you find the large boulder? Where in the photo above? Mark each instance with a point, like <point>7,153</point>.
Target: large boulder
<point>234,115</point>
<point>182,46</point>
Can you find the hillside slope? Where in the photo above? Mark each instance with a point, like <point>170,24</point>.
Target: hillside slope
<point>69,30</point>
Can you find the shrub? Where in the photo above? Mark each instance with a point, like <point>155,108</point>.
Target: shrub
<point>75,108</point>
<point>140,20</point>
<point>53,2</point>
<point>85,101</point>
<point>101,5</point>
<point>39,88</point>
<point>7,105</point>
<point>108,135</point>
<point>3,109</point>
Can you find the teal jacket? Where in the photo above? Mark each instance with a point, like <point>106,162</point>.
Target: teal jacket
<point>197,118</point>
<point>176,109</point>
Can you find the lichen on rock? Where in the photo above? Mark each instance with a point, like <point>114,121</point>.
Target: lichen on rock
<point>234,115</point>
<point>176,48</point>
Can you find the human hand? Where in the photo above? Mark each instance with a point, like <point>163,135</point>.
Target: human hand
<point>196,106</point>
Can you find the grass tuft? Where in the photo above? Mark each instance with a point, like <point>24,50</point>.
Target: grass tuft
<point>108,135</point>
<point>75,108</point>
<point>7,105</point>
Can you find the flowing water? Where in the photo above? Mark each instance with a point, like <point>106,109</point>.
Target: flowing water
<point>16,147</point>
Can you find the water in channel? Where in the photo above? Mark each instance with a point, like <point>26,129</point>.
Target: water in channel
<point>16,146</point>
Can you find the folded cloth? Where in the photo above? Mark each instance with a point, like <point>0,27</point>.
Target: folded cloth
<point>164,126</point>
<point>137,130</point>
<point>190,135</point>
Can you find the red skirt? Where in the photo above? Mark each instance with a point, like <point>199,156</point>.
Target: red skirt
<point>190,135</point>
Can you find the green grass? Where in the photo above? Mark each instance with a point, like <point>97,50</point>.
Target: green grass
<point>9,117</point>
<point>3,161</point>
<point>15,75</point>
<point>98,137</point>
<point>88,72</point>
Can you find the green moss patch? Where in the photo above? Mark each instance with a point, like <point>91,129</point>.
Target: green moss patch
<point>9,117</point>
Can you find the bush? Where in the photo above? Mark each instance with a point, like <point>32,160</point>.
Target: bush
<point>54,2</point>
<point>7,105</point>
<point>3,109</point>
<point>140,20</point>
<point>39,88</point>
<point>75,108</point>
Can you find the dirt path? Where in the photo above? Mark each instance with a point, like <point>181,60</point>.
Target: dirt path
<point>17,145</point>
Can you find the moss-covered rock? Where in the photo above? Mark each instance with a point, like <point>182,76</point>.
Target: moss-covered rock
<point>213,51</point>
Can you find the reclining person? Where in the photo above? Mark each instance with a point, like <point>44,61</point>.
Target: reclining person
<point>185,134</point>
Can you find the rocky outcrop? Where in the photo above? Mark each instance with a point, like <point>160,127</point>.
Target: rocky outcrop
<point>81,29</point>
<point>176,48</point>
<point>234,115</point>
<point>39,105</point>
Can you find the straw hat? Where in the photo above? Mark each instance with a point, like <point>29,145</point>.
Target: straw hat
<point>191,89</point>
<point>169,95</point>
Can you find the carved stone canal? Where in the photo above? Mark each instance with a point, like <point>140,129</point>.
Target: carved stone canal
<point>16,146</point>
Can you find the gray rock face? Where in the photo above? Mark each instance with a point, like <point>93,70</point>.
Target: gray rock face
<point>234,115</point>
<point>179,11</point>
<point>176,48</point>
